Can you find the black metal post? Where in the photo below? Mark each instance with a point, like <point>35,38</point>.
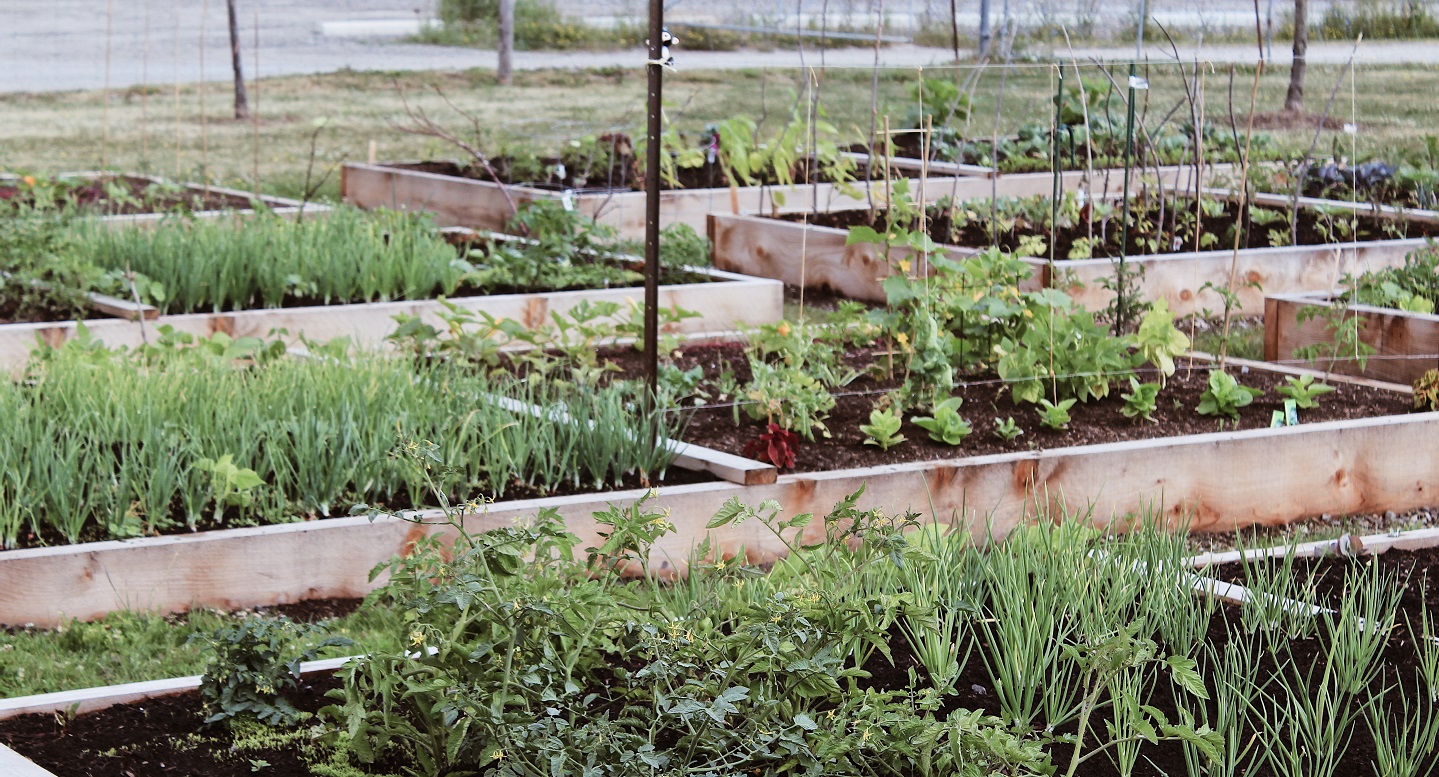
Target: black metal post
<point>652,202</point>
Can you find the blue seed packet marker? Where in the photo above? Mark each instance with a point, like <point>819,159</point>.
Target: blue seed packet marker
<point>1291,413</point>
<point>1276,420</point>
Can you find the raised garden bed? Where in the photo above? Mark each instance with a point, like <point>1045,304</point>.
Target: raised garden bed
<point>254,288</point>
<point>805,250</point>
<point>1380,343</point>
<point>727,301</point>
<point>456,200</point>
<point>1212,481</point>
<point>1067,585</point>
<point>133,199</point>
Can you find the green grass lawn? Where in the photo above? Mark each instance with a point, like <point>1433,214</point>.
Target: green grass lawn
<point>160,130</point>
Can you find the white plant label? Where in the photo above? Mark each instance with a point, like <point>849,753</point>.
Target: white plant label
<point>1138,84</point>
<point>567,199</point>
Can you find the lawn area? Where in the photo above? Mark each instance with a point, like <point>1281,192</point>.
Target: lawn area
<point>162,130</point>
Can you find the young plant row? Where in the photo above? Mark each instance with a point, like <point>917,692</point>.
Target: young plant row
<point>224,432</point>
<point>347,256</point>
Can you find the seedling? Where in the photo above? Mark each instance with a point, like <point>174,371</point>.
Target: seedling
<point>946,425</point>
<point>1225,396</point>
<point>1055,416</point>
<point>1304,391</point>
<point>1007,429</point>
<point>883,428</point>
<point>1141,400</point>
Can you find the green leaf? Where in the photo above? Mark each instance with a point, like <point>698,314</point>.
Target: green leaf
<point>805,722</point>
<point>1183,671</point>
<point>863,234</point>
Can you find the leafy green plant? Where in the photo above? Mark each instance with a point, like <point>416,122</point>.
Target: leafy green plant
<point>253,664</point>
<point>230,485</point>
<point>789,397</point>
<point>1007,429</point>
<point>1055,415</point>
<point>1426,391</point>
<point>945,424</point>
<point>1225,396</point>
<point>1141,401</point>
<point>1304,391</point>
<point>883,428</point>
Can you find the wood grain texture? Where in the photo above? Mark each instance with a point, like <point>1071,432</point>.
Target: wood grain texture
<point>477,204</point>
<point>1210,482</point>
<point>1406,345</point>
<point>730,301</point>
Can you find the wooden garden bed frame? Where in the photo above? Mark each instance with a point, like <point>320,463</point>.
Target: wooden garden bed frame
<point>817,257</point>
<point>468,202</point>
<point>280,205</point>
<point>1405,344</point>
<point>730,301</point>
<point>1208,482</point>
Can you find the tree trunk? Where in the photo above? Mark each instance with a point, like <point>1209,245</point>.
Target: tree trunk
<point>1294,100</point>
<point>242,101</point>
<point>507,40</point>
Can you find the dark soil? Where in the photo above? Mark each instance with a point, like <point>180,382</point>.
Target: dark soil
<point>161,736</point>
<point>1156,223</point>
<point>986,402</point>
<point>137,196</point>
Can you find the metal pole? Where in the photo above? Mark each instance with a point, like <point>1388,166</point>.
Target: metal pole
<point>652,202</point>
<point>984,34</point>
<point>1121,280</point>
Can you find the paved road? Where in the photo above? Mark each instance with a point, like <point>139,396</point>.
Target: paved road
<point>61,44</point>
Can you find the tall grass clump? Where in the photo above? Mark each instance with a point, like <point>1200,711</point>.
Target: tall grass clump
<point>271,261</point>
<point>1379,19</point>
<point>101,444</point>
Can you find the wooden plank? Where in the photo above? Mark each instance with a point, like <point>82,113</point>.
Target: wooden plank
<point>92,699</point>
<point>1359,207</point>
<point>1406,345</point>
<point>1180,278</point>
<point>725,466</point>
<point>122,308</point>
<point>1210,482</point>
<point>730,301</point>
<point>481,204</point>
<point>12,764</point>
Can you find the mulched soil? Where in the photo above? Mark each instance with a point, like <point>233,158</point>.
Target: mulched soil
<point>986,402</point>
<point>973,234</point>
<point>143,197</point>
